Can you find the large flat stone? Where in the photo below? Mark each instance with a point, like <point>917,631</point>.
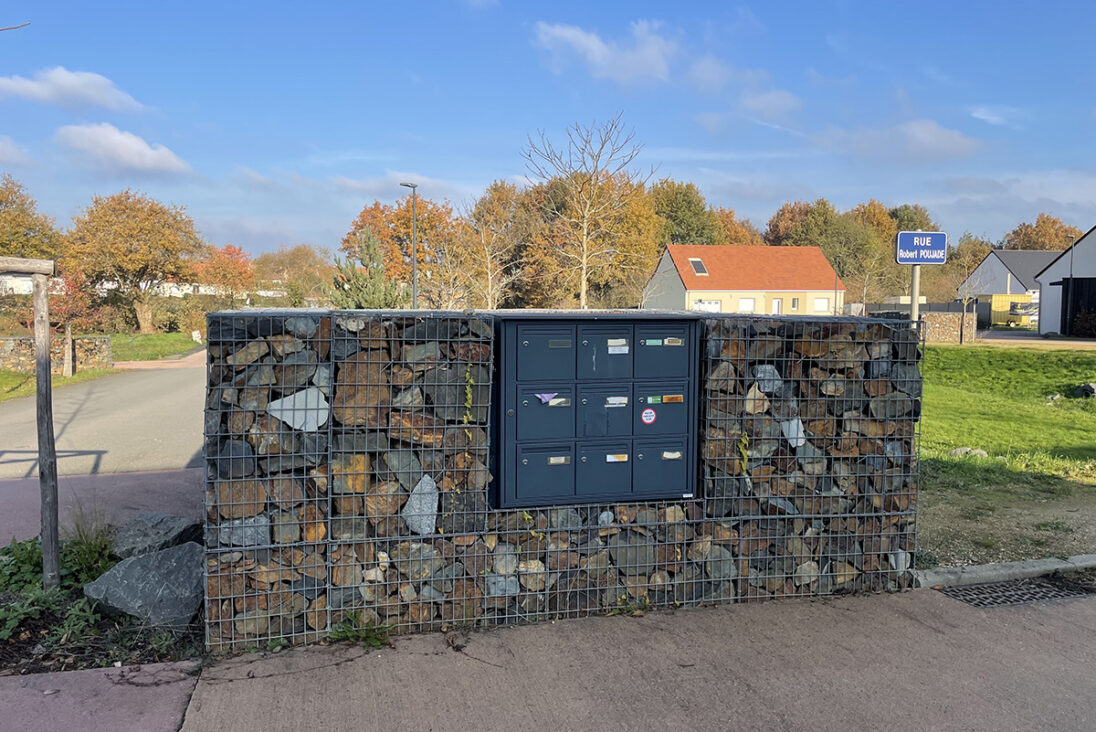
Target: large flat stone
<point>161,588</point>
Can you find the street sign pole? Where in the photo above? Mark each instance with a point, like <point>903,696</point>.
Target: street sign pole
<point>916,248</point>
<point>915,293</point>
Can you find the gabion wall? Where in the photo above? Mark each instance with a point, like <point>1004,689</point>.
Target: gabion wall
<point>348,476</point>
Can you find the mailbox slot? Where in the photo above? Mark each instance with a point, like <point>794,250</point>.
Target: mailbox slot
<point>545,352</point>
<point>661,409</point>
<point>604,468</point>
<point>660,463</point>
<point>545,473</point>
<point>604,411</point>
<point>545,411</point>
<point>662,351</point>
<point>605,352</point>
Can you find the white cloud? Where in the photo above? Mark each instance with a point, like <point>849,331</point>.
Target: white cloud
<point>919,140</point>
<point>770,105</point>
<point>709,75</point>
<point>11,153</point>
<point>713,122</point>
<point>999,116</point>
<point>64,88</point>
<point>110,148</point>
<point>644,59</point>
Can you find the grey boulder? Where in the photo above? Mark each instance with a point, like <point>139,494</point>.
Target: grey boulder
<point>150,532</point>
<point>161,588</point>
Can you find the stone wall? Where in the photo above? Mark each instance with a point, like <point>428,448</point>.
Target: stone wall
<point>348,479</point>
<point>945,327</point>
<point>92,352</point>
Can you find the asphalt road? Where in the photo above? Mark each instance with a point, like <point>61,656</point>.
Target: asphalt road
<point>132,421</point>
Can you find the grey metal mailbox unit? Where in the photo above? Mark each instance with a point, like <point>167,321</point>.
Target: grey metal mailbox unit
<point>595,407</point>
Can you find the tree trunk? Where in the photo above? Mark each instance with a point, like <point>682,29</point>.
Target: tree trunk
<point>143,310</point>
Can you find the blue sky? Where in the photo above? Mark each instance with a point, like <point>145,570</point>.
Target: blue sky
<point>275,123</point>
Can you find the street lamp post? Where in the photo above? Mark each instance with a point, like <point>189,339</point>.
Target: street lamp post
<point>414,246</point>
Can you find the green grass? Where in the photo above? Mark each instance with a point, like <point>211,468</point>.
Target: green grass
<point>149,346</point>
<point>1039,481</point>
<point>14,384</point>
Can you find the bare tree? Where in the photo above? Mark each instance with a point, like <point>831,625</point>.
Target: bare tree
<point>597,185</point>
<point>488,242</point>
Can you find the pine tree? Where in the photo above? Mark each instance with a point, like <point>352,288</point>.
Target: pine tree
<point>362,284</point>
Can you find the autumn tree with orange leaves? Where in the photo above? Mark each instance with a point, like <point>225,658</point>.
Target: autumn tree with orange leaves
<point>229,269</point>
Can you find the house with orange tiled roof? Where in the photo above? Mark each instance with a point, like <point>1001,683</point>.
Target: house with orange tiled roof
<point>730,279</point>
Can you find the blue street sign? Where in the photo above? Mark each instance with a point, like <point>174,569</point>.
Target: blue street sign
<point>921,247</point>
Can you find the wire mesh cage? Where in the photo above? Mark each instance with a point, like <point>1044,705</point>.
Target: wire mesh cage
<point>349,474</point>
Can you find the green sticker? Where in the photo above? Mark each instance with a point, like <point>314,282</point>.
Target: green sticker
<point>654,400</point>
<point>654,341</point>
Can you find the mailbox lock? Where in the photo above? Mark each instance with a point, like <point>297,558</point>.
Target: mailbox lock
<point>643,342</point>
<point>525,461</point>
<point>525,403</point>
<point>525,343</point>
<point>509,412</point>
<point>639,456</point>
<point>586,343</point>
<point>583,401</point>
<point>583,458</point>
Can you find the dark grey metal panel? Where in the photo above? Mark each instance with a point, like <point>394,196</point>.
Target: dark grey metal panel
<point>604,470</point>
<point>605,351</point>
<point>662,350</point>
<point>545,473</point>
<point>662,409</point>
<point>546,411</point>
<point>604,410</point>
<point>660,464</point>
<point>546,352</point>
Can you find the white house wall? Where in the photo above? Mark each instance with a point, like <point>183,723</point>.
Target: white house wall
<point>991,277</point>
<point>1050,297</point>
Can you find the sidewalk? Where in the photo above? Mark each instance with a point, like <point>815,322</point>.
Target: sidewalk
<point>913,661</point>
<point>148,698</point>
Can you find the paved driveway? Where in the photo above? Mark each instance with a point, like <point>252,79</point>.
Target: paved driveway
<point>132,421</point>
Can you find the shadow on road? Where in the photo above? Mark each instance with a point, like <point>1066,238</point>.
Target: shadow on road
<point>30,457</point>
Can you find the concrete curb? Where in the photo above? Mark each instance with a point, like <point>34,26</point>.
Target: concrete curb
<point>981,573</point>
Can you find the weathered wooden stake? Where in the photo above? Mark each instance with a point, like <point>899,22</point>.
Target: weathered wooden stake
<point>47,451</point>
<point>69,367</point>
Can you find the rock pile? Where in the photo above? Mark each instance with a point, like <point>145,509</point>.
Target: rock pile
<point>348,477</point>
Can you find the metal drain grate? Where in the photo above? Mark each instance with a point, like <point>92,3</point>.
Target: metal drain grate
<point>1012,592</point>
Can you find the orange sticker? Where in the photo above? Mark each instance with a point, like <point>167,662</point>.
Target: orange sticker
<point>672,398</point>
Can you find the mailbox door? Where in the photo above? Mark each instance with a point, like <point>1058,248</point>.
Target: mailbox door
<point>605,352</point>
<point>660,466</point>
<point>546,411</point>
<point>545,473</point>
<point>604,411</point>
<point>661,409</point>
<point>546,352</point>
<point>662,351</point>
<point>604,468</point>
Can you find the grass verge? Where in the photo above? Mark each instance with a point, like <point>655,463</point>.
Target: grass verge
<point>149,346</point>
<point>1035,495</point>
<point>14,384</point>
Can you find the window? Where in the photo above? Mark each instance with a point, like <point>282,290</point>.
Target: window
<point>778,306</point>
<point>795,303</point>
<point>821,304</point>
<point>708,306</point>
<point>745,304</point>
<point>698,266</point>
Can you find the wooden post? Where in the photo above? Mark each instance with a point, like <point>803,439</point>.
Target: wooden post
<point>69,367</point>
<point>47,451</point>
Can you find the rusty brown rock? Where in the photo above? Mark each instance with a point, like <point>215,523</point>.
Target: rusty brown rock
<point>416,428</point>
<point>316,616</point>
<point>314,524</point>
<point>285,491</point>
<point>240,498</point>
<point>350,473</point>
<point>383,501</point>
<point>362,392</point>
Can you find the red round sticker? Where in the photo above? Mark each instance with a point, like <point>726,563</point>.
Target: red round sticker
<point>648,416</point>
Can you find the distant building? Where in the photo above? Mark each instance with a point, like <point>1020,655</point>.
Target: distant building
<point>1004,285</point>
<point>1067,286</point>
<point>730,279</point>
